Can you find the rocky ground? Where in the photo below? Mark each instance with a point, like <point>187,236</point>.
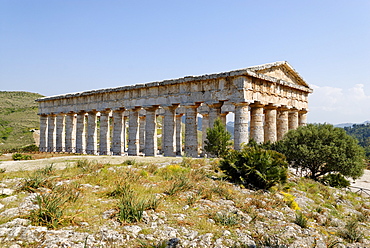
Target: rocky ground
<point>207,212</point>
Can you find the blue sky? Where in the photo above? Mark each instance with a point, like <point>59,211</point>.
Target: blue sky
<point>57,47</point>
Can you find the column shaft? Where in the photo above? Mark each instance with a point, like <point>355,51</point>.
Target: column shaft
<point>191,137</point>
<point>282,122</point>
<point>302,116</point>
<point>59,134</point>
<point>168,132</point>
<point>179,134</point>
<point>214,113</point>
<point>118,132</point>
<point>241,132</point>
<point>293,119</point>
<point>51,133</point>
<point>257,123</point>
<point>70,141</point>
<point>151,132</point>
<point>92,138</point>
<point>104,148</point>
<point>133,132</point>
<point>270,124</point>
<point>142,120</point>
<point>43,133</point>
<point>80,133</point>
<point>205,126</point>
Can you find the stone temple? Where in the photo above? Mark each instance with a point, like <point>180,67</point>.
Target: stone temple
<point>267,101</point>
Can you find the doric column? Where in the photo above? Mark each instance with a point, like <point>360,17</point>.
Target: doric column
<point>51,133</point>
<point>104,148</point>
<point>118,132</point>
<point>168,132</point>
<point>282,122</point>
<point>70,141</point>
<point>80,133</point>
<point>151,131</point>
<point>191,137</point>
<point>133,132</point>
<point>270,123</point>
<point>241,132</point>
<point>43,133</point>
<point>257,122</point>
<point>205,126</point>
<point>214,113</point>
<point>223,118</point>
<point>302,117</point>
<point>142,120</point>
<point>92,137</point>
<point>179,134</point>
<point>59,133</point>
<point>293,119</point>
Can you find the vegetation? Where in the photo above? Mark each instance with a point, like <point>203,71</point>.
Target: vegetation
<point>321,149</point>
<point>89,195</point>
<point>258,167</point>
<point>362,133</point>
<point>18,115</point>
<point>218,140</point>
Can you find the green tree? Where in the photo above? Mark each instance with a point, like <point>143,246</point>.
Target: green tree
<point>218,140</point>
<point>322,149</point>
<point>258,167</point>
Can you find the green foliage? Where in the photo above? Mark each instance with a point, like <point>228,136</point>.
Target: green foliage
<point>258,167</point>
<point>226,219</point>
<point>335,180</point>
<point>351,231</point>
<point>40,178</point>
<point>218,140</point>
<point>321,149</point>
<point>17,156</point>
<point>18,115</point>
<point>131,206</point>
<point>301,220</point>
<point>362,133</point>
<point>179,184</point>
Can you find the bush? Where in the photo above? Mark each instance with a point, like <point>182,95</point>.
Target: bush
<point>335,180</point>
<point>218,140</point>
<point>18,156</point>
<point>258,167</point>
<point>322,149</point>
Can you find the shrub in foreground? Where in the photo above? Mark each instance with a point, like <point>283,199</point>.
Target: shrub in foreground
<point>258,167</point>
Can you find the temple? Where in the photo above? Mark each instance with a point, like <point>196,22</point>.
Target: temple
<point>267,101</point>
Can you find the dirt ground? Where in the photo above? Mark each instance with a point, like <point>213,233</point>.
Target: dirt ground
<point>59,161</point>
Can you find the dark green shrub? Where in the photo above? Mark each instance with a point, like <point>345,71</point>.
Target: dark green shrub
<point>335,180</point>
<point>17,156</point>
<point>258,167</point>
<point>321,149</point>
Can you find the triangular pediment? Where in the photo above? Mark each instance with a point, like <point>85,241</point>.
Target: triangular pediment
<point>280,70</point>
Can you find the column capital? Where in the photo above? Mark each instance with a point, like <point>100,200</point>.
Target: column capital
<point>303,111</point>
<point>191,105</point>
<point>271,106</point>
<point>256,105</point>
<point>283,108</point>
<point>242,104</point>
<point>151,107</point>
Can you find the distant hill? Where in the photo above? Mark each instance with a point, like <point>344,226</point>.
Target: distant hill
<point>18,115</point>
<point>343,125</point>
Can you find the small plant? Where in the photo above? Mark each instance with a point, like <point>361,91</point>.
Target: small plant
<point>301,220</point>
<point>40,178</point>
<point>352,232</point>
<point>88,166</point>
<point>226,219</point>
<point>2,170</point>
<point>179,184</point>
<point>173,171</point>
<point>218,141</point>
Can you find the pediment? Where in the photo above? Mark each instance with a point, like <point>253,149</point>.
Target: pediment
<point>280,70</point>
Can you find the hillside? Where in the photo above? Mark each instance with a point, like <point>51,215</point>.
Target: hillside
<point>148,202</point>
<point>18,115</point>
